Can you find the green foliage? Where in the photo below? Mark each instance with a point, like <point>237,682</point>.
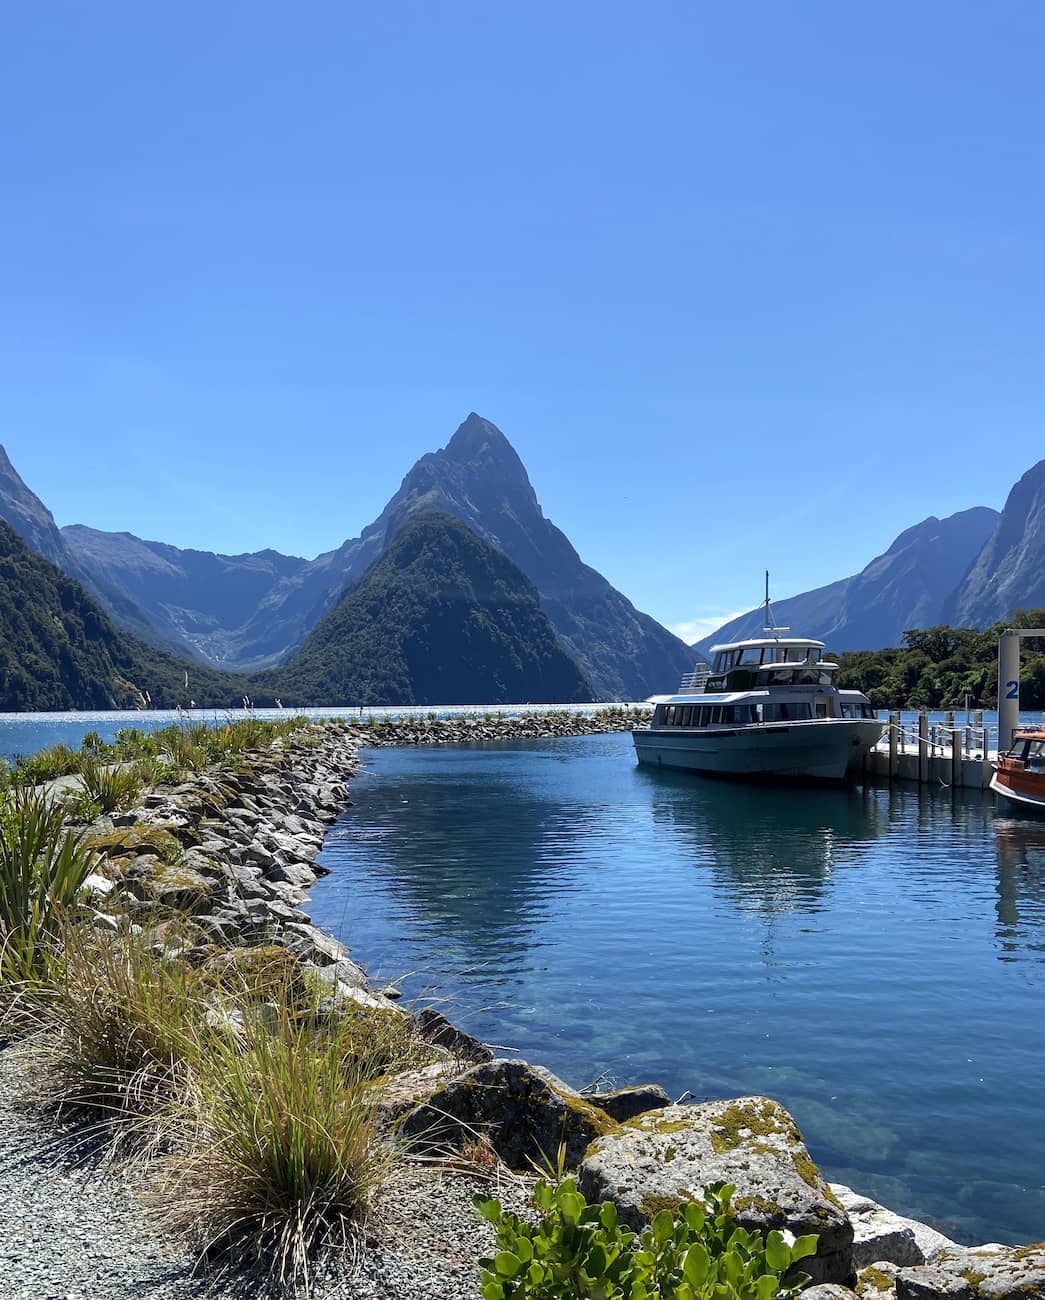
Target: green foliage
<point>938,667</point>
<point>58,649</point>
<point>46,765</point>
<point>282,1150</point>
<point>580,1250</point>
<point>110,786</point>
<point>42,867</point>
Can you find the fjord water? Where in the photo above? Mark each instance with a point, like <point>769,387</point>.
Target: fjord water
<point>874,958</point>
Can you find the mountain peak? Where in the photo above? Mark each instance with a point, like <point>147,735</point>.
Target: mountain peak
<point>476,435</point>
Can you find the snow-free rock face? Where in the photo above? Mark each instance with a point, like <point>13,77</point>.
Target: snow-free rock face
<point>667,1157</point>
<point>905,587</point>
<point>252,611</point>
<point>980,1273</point>
<point>1009,572</point>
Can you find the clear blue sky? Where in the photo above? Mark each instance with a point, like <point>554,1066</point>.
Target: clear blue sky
<point>744,284</point>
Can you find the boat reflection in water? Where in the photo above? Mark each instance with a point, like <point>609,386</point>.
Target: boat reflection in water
<point>1021,886</point>
<point>767,850</point>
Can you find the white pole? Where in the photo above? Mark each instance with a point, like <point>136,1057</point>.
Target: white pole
<point>1008,688</point>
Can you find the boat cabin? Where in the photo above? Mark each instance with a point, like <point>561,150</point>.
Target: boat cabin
<point>769,661</point>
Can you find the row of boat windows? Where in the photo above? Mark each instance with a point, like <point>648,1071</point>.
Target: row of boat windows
<point>741,715</point>
<point>753,655</point>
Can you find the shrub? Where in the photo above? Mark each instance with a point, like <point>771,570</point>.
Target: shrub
<point>58,760</point>
<point>580,1250</point>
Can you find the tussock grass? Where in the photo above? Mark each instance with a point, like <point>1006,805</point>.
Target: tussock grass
<point>281,1152</point>
<point>121,1031</point>
<point>45,765</point>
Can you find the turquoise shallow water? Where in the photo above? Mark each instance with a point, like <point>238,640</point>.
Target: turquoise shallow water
<point>875,958</point>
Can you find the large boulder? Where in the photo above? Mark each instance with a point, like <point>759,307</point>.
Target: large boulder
<point>667,1157</point>
<point>880,1236</point>
<point>523,1111</point>
<point>979,1273</point>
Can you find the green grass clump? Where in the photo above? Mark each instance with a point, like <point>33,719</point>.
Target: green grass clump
<point>46,765</point>
<point>111,787</point>
<point>282,1153</point>
<point>122,1030</point>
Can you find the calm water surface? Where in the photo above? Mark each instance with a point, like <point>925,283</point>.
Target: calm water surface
<point>874,958</point>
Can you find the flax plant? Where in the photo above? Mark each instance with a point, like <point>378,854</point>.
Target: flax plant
<point>42,868</point>
<point>110,786</point>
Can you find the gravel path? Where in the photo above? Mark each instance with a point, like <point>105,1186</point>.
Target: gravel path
<point>72,1230</point>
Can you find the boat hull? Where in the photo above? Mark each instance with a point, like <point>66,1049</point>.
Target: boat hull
<point>1025,801</point>
<point>824,749</point>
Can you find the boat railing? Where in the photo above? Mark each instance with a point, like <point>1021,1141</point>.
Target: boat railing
<point>693,683</point>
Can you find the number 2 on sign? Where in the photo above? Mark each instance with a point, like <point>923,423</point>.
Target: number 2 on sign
<point>1012,690</point>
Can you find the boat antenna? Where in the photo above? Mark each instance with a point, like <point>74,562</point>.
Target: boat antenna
<point>770,625</point>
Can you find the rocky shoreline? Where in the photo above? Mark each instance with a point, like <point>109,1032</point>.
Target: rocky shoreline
<point>235,850</point>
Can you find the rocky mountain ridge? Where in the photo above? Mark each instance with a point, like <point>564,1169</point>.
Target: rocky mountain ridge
<point>907,586</point>
<point>252,611</point>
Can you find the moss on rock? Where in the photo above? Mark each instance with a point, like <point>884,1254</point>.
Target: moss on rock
<point>133,841</point>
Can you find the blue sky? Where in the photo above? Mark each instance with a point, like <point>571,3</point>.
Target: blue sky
<point>745,285</point>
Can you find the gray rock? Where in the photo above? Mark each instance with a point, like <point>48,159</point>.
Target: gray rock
<point>107,924</point>
<point>828,1291</point>
<point>984,1272</point>
<point>625,1103</point>
<point>437,1030</point>
<point>523,1112</point>
<point>95,884</point>
<point>671,1155</point>
<point>880,1235</point>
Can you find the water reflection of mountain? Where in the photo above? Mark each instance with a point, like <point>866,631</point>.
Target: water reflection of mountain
<point>1021,887</point>
<point>471,854</point>
<point>771,848</point>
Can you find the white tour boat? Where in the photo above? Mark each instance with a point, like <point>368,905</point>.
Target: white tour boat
<point>767,708</point>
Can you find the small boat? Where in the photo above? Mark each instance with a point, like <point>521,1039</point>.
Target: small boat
<point>1019,775</point>
<point>767,708</point>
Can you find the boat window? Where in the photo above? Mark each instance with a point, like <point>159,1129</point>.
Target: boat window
<point>847,710</point>
<point>727,713</point>
<point>687,714</point>
<point>669,716</point>
<point>786,711</point>
<point>742,714</point>
<point>716,715</point>
<point>751,654</point>
<point>1034,756</point>
<point>823,709</point>
<point>866,711</point>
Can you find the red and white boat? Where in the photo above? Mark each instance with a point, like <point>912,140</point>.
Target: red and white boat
<point>1019,775</point>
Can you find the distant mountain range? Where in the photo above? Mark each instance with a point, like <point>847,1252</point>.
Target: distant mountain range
<point>441,616</point>
<point>252,612</point>
<point>459,591</point>
<point>970,569</point>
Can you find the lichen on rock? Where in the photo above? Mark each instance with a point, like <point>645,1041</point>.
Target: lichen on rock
<point>750,1142</point>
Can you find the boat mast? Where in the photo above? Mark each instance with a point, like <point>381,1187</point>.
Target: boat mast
<point>769,623</point>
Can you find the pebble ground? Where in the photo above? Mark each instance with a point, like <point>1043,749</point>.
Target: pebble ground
<point>73,1229</point>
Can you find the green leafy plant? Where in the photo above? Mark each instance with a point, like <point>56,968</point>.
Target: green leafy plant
<point>577,1250</point>
<point>110,786</point>
<point>42,867</point>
